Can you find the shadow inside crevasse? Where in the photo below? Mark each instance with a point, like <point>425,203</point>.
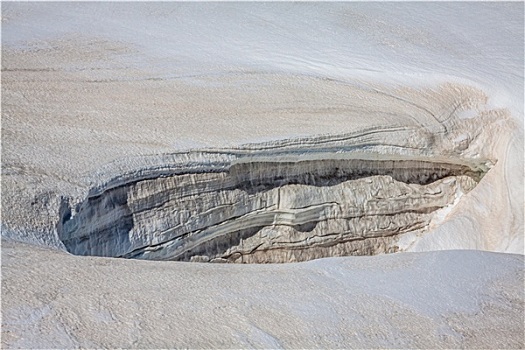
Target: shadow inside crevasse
<point>102,224</point>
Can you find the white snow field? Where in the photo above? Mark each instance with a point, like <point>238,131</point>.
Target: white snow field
<point>262,132</point>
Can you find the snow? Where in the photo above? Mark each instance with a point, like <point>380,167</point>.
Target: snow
<point>448,298</point>
<point>397,42</point>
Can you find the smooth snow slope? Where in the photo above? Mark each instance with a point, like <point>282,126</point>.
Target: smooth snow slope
<point>478,42</point>
<point>449,299</point>
<point>84,84</point>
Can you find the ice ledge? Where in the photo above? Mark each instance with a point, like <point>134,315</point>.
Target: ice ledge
<point>283,201</point>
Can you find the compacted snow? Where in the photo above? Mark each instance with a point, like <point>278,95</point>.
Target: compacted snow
<point>95,92</point>
<point>447,299</point>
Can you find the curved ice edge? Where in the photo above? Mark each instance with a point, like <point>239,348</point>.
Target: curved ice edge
<point>325,147</point>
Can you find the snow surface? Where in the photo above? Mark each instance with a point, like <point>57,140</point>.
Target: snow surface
<point>448,299</point>
<point>149,57</point>
<point>408,43</point>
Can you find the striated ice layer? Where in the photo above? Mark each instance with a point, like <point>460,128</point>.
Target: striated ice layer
<point>276,204</point>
